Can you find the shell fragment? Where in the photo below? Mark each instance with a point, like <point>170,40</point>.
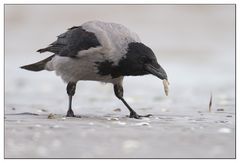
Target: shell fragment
<point>165,85</point>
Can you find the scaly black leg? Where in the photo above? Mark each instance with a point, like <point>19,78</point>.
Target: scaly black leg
<point>118,90</point>
<point>70,91</point>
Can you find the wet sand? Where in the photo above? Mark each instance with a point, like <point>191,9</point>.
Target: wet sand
<point>168,135</point>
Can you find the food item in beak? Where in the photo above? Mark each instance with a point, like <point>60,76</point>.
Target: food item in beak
<point>165,85</point>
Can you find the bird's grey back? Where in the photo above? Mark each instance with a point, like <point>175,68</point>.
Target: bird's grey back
<point>110,39</point>
<point>118,35</point>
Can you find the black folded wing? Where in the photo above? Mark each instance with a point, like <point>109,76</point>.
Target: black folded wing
<point>71,42</point>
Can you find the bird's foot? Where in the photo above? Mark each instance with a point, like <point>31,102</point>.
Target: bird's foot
<point>136,116</point>
<point>70,113</point>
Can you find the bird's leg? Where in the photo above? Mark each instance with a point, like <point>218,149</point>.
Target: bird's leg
<point>70,91</point>
<point>118,90</point>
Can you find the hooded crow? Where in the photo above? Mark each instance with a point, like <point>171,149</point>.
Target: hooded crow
<point>99,51</point>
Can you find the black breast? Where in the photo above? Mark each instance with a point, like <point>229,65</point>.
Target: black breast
<point>107,68</point>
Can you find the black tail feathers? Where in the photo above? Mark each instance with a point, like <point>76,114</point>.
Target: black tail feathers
<point>38,66</point>
<point>34,67</point>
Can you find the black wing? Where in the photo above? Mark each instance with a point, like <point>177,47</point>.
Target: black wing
<point>71,42</point>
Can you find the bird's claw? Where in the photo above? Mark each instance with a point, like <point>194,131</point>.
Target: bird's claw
<point>71,114</point>
<point>136,116</point>
<point>74,116</point>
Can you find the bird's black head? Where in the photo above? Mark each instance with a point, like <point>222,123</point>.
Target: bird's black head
<point>140,60</point>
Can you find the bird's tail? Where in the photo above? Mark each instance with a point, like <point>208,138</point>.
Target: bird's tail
<point>38,66</point>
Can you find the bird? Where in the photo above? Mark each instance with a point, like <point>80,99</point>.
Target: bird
<point>99,51</point>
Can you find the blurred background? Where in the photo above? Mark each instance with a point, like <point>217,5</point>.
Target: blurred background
<point>195,44</point>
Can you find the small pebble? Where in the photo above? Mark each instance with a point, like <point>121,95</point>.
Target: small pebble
<point>223,121</point>
<point>42,110</point>
<point>117,110</point>
<point>51,116</point>
<point>229,116</point>
<point>113,118</point>
<point>142,124</point>
<point>220,109</point>
<point>13,108</point>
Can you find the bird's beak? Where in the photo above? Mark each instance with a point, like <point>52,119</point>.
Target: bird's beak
<point>159,72</point>
<point>156,70</point>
